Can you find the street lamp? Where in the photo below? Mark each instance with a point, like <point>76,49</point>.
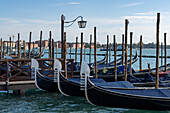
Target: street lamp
<point>81,24</point>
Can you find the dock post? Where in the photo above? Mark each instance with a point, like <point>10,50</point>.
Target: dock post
<point>126,48</point>
<point>123,49</point>
<point>19,47</point>
<point>1,48</point>
<point>10,46</point>
<point>7,48</point>
<point>7,78</point>
<point>53,48</point>
<point>81,54</point>
<point>24,49</point>
<point>29,46</point>
<point>157,52</point>
<point>140,63</point>
<point>76,49</point>
<point>62,36</point>
<point>20,91</point>
<point>90,49</point>
<point>33,49</point>
<point>149,66</point>
<point>70,50</point>
<point>56,49</point>
<point>161,53</point>
<point>115,57</point>
<point>84,51</point>
<point>131,35</point>
<point>165,50</point>
<point>50,44</point>
<point>95,58</point>
<point>107,48</point>
<point>109,52</point>
<point>65,54</point>
<point>40,43</point>
<point>15,48</point>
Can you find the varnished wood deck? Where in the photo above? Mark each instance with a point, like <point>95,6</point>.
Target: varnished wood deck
<point>19,86</point>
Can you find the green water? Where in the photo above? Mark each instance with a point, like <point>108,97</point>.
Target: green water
<point>41,101</point>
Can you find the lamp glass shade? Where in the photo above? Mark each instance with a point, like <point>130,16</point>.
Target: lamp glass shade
<point>82,24</point>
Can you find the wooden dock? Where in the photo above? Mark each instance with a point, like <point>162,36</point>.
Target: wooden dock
<point>18,87</point>
<point>17,76</point>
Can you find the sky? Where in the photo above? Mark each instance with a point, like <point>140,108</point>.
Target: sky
<point>108,16</point>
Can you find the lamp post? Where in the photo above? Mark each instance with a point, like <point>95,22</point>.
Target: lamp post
<point>81,24</point>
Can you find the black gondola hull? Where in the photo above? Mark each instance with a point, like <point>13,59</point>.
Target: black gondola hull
<point>70,88</point>
<point>46,83</point>
<point>101,97</point>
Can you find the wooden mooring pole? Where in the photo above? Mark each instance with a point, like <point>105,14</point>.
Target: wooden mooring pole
<point>10,46</point>
<point>107,48</point>
<point>29,46</point>
<point>15,48</point>
<point>50,44</point>
<point>165,50</point>
<point>126,48</point>
<point>157,52</point>
<point>109,52</point>
<point>140,62</point>
<point>40,43</point>
<point>24,49</point>
<point>161,53</point>
<point>123,49</point>
<point>131,35</point>
<point>1,48</point>
<point>53,48</point>
<point>7,48</point>
<point>19,47</point>
<point>90,49</point>
<point>76,49</point>
<point>70,50</point>
<point>95,58</point>
<point>84,52</point>
<point>81,53</point>
<point>115,57</point>
<point>56,49</point>
<point>65,54</point>
<point>33,50</point>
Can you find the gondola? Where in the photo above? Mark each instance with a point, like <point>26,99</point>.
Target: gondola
<point>106,71</point>
<point>35,54</point>
<point>127,97</point>
<point>142,73</point>
<point>70,86</point>
<point>123,94</point>
<point>101,67</point>
<point>42,82</point>
<point>76,66</point>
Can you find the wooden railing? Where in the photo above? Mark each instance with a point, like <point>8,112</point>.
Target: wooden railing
<point>20,69</point>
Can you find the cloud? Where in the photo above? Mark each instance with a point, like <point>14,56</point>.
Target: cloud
<point>153,13</point>
<point>74,3</point>
<point>146,13</point>
<point>105,21</point>
<point>139,17</point>
<point>37,21</point>
<point>133,4</point>
<point>66,3</point>
<point>9,20</point>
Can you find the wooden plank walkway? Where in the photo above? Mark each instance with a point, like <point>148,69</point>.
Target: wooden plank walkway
<point>18,86</point>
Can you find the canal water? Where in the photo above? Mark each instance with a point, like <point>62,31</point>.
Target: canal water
<point>40,101</point>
